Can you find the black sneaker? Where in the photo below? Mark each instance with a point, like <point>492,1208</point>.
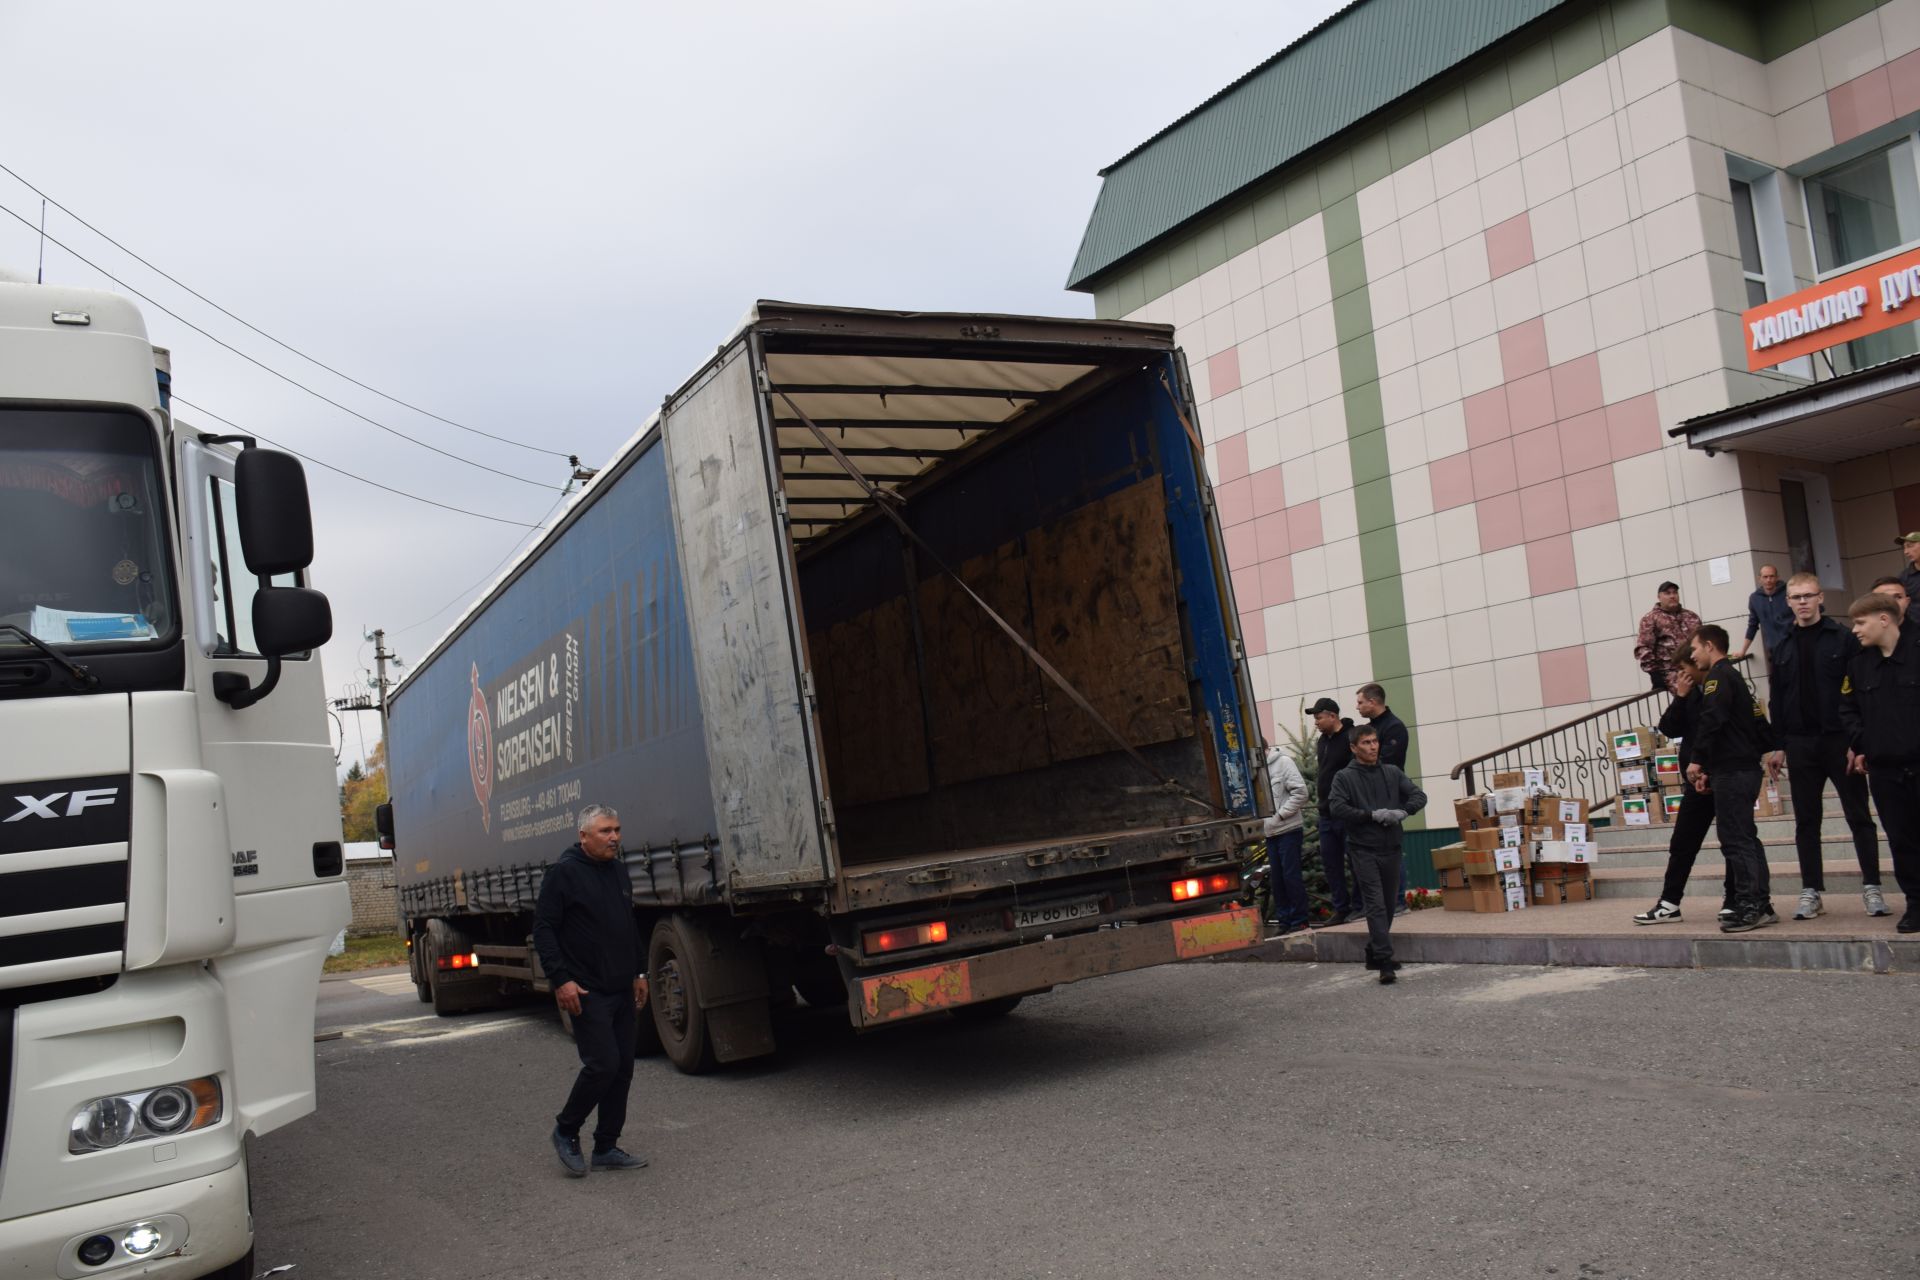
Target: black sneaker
<point>1909,923</point>
<point>1338,917</point>
<point>1747,919</point>
<point>1659,913</point>
<point>615,1158</point>
<point>568,1149</point>
<point>1389,973</point>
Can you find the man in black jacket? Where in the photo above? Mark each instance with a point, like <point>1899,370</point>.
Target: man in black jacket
<point>1730,736</point>
<point>591,950</point>
<point>1809,665</point>
<point>1880,706</point>
<point>1695,819</point>
<point>1334,752</point>
<point>1373,799</point>
<point>1370,700</point>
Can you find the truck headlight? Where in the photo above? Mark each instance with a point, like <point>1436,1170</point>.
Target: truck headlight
<point>166,1111</point>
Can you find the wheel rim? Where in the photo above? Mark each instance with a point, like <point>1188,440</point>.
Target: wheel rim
<point>670,993</point>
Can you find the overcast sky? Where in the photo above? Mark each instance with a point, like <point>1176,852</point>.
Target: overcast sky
<point>537,220</point>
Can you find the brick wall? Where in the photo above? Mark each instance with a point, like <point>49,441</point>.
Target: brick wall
<point>375,907</point>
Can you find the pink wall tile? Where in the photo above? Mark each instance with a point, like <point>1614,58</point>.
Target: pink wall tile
<point>1583,441</point>
<point>1246,588</point>
<point>1576,386</point>
<point>1550,565</point>
<point>1487,416</point>
<point>1223,372</point>
<point>1243,547</point>
<point>1271,532</point>
<point>1267,730</point>
<point>1499,521</point>
<point>1530,401</point>
<point>1592,498</point>
<point>1493,470</point>
<point>1523,348</point>
<point>1509,245</point>
<point>1253,632</point>
<point>1276,581</point>
<point>1452,481</point>
<point>1904,73</point>
<point>1536,456</point>
<point>1863,103</point>
<point>1235,499</point>
<point>1269,494</point>
<point>1563,676</point>
<point>1543,510</point>
<point>1230,459</point>
<point>1633,426</point>
<point>1303,526</point>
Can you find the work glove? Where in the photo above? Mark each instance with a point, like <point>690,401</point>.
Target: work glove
<point>1388,817</point>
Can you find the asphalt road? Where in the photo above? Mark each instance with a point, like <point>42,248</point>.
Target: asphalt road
<point>1209,1119</point>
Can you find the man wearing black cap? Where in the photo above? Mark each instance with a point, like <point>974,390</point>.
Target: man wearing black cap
<point>1663,635</point>
<point>1909,544</point>
<point>1335,753</point>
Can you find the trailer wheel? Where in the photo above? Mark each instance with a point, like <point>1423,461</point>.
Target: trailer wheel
<point>987,1010</point>
<point>416,954</point>
<point>678,1019</point>
<point>451,995</point>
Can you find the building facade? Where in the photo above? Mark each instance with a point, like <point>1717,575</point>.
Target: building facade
<point>1471,291</point>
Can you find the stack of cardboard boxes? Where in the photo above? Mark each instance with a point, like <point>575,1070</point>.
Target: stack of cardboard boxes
<point>1651,784</point>
<point>1521,845</point>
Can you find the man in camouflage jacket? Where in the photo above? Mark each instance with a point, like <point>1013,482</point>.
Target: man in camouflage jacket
<point>1663,636</point>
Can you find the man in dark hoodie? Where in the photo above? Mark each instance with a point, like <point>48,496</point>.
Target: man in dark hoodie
<point>1334,752</point>
<point>1372,799</point>
<point>590,947</point>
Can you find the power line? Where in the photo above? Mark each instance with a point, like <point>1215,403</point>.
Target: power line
<point>318,395</point>
<point>47,199</point>
<point>478,515</point>
<point>491,575</point>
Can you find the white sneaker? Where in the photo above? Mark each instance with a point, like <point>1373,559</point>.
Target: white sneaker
<point>1875,900</point>
<point>1809,905</point>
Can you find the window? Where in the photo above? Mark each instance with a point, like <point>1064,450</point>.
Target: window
<point>1748,231</point>
<point>1858,211</point>
<point>233,587</point>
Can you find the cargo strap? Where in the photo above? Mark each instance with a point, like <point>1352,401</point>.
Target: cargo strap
<point>885,502</point>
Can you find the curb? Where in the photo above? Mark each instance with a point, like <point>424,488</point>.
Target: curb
<point>1807,955</point>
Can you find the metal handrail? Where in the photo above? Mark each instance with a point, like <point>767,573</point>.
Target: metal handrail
<point>1577,756</point>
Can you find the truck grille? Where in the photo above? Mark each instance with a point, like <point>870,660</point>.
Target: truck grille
<point>63,881</point>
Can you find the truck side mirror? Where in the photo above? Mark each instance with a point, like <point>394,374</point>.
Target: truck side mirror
<point>276,522</point>
<point>383,824</point>
<point>290,620</point>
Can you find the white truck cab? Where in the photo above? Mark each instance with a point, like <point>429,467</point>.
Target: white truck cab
<point>170,864</point>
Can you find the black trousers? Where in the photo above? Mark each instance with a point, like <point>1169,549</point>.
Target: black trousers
<point>1811,763</point>
<point>603,1032</point>
<point>1690,829</point>
<point>1896,794</point>
<point>1378,874</point>
<point>1734,792</point>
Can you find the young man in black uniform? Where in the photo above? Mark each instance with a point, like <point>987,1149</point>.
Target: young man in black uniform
<point>1695,819</point>
<point>1809,665</point>
<point>1880,706</point>
<point>1334,753</point>
<point>1730,737</point>
<point>590,947</point>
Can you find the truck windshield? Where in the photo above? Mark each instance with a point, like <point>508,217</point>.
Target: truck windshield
<point>83,527</point>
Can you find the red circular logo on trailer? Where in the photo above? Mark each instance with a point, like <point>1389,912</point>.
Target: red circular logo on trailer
<point>480,751</point>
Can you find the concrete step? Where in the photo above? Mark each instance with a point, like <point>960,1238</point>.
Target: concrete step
<point>1770,828</point>
<point>1653,852</point>
<point>1602,933</point>
<point>1642,884</point>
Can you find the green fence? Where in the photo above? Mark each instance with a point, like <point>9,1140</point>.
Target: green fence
<point>1418,847</point>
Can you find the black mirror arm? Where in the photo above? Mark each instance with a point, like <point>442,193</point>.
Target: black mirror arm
<point>239,692</point>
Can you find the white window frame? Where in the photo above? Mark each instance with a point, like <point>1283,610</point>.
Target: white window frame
<point>1770,233</point>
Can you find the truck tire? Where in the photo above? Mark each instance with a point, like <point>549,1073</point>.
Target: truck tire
<point>416,955</point>
<point>452,995</point>
<point>987,1010</point>
<point>674,979</point>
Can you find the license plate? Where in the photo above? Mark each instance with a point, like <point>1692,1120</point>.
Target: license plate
<point>1055,913</point>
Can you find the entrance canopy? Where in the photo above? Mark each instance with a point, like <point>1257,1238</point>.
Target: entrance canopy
<point>1868,411</point>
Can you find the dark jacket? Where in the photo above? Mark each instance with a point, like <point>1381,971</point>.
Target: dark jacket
<point>1677,722</point>
<point>1769,615</point>
<point>1731,731</point>
<point>1833,649</point>
<point>1393,738</point>
<point>1359,789</point>
<point>1335,752</point>
<point>1910,579</point>
<point>1880,702</point>
<point>584,926</point>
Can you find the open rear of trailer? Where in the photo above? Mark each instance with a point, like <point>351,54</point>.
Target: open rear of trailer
<point>905,646</point>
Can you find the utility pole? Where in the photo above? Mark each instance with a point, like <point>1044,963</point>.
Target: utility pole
<point>380,656</point>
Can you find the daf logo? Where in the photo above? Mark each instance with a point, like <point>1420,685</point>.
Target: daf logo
<point>78,802</point>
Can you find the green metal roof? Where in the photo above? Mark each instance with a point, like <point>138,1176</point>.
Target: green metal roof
<point>1350,66</point>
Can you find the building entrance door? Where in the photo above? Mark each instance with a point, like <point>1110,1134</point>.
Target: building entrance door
<point>1813,541</point>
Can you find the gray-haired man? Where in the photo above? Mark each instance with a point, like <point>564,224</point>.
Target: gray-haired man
<point>590,946</point>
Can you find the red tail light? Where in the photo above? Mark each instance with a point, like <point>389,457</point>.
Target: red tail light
<point>1203,886</point>
<point>904,937</point>
<point>469,961</point>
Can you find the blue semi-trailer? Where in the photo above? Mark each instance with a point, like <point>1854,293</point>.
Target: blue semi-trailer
<point>904,645</point>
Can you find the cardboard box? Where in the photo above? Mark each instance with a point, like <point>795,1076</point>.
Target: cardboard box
<point>1769,804</point>
<point>1509,800</point>
<point>1634,777</point>
<point>1577,889</point>
<point>1548,851</point>
<point>1639,811</point>
<point>1561,809</point>
<point>1509,778</point>
<point>1453,878</point>
<point>1547,831</point>
<point>1449,855</point>
<point>1561,871</point>
<point>1549,893</point>
<point>1484,840</point>
<point>1637,743</point>
<point>1666,767</point>
<point>1452,899</point>
<point>1469,812</point>
<point>1510,860</point>
<point>1512,837</point>
<point>1577,831</point>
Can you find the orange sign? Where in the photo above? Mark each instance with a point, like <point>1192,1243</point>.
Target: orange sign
<point>1865,300</point>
